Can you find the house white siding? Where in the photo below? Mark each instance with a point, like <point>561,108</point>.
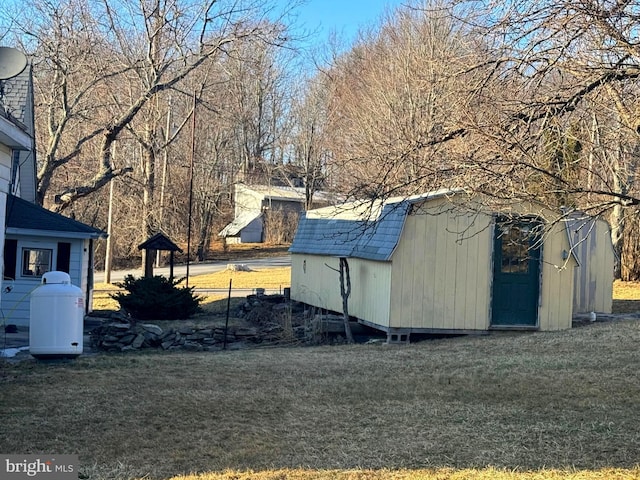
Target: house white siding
<point>16,299</point>
<point>5,178</point>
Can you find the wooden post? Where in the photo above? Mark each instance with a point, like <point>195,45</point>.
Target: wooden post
<point>148,263</point>
<point>171,266</point>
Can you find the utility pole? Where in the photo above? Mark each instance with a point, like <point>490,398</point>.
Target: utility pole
<point>165,166</point>
<point>193,150</point>
<point>109,248</point>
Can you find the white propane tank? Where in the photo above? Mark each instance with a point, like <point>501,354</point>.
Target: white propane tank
<point>56,318</point>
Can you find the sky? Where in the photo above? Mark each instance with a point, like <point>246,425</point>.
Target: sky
<point>344,17</point>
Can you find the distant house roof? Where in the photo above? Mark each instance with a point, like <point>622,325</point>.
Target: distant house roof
<point>364,229</point>
<point>238,223</point>
<point>159,242</point>
<point>290,194</point>
<point>28,218</point>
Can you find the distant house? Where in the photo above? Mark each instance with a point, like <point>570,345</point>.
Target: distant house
<point>252,202</point>
<point>35,240</point>
<point>444,263</point>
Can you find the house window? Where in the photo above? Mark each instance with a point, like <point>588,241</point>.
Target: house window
<point>36,261</point>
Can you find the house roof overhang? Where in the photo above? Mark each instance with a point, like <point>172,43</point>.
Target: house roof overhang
<point>13,136</point>
<point>52,233</point>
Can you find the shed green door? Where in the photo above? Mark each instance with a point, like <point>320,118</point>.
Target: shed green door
<point>516,274</point>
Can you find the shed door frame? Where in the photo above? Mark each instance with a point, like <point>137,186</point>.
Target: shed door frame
<point>517,272</point>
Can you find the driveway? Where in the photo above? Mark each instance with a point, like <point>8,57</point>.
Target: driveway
<point>199,268</point>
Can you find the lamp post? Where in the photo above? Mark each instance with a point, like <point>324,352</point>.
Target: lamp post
<point>193,150</point>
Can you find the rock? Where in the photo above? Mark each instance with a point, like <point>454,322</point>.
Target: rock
<point>238,267</point>
<point>192,346</point>
<point>246,332</point>
<point>169,333</point>
<point>156,330</point>
<point>119,326</point>
<point>195,337</point>
<point>127,339</point>
<point>138,341</point>
<point>185,330</point>
<point>168,338</point>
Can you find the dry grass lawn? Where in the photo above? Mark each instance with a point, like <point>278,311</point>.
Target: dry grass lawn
<point>508,406</point>
<point>626,297</point>
<point>503,406</point>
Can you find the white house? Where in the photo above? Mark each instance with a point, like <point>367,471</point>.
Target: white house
<point>252,201</point>
<point>35,240</point>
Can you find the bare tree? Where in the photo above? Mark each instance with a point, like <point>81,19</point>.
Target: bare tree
<point>513,101</point>
<point>309,138</point>
<point>86,52</point>
<point>396,100</point>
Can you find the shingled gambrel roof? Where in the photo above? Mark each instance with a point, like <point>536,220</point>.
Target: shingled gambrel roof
<point>23,217</point>
<point>368,230</point>
<point>372,240</point>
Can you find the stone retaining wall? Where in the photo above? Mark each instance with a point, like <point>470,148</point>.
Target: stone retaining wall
<point>122,337</point>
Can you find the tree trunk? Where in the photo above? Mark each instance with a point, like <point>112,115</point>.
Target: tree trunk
<point>345,291</point>
<point>617,239</point>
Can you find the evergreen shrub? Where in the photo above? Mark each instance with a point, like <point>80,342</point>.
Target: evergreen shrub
<point>157,298</point>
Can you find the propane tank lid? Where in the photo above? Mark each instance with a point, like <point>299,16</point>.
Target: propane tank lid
<point>56,277</point>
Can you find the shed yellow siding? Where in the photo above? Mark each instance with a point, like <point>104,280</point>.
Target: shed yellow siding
<point>316,281</point>
<point>556,292</point>
<point>441,270</point>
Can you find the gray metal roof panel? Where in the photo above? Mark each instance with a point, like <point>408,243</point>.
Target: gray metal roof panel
<point>240,222</point>
<point>372,240</point>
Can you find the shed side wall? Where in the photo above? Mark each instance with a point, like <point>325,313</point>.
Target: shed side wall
<point>594,277</point>
<point>16,303</point>
<point>316,281</point>
<point>441,270</point>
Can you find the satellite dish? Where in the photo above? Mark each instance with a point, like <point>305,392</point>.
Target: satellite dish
<point>12,62</point>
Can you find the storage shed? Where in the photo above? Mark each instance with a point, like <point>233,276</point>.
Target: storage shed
<point>441,262</point>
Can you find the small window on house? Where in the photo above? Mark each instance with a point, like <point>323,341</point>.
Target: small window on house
<point>36,261</point>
